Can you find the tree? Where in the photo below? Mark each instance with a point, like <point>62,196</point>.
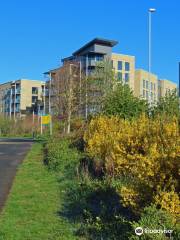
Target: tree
<point>168,105</point>
<point>66,92</point>
<point>121,101</point>
<point>99,82</point>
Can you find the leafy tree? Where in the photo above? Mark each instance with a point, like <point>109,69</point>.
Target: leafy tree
<point>123,103</point>
<point>99,82</point>
<point>168,105</point>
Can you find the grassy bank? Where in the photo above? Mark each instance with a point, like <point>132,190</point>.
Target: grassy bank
<point>32,208</point>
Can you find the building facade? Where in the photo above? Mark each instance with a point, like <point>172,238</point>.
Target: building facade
<point>165,86</point>
<point>149,87</point>
<point>20,97</point>
<point>144,84</point>
<point>124,67</point>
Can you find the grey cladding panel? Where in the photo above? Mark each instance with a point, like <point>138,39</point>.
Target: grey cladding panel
<point>103,49</point>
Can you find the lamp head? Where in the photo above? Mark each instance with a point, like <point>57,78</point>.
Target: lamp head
<point>152,10</point>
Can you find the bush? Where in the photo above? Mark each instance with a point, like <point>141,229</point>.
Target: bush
<point>122,102</point>
<point>168,106</point>
<point>62,157</point>
<point>154,219</point>
<point>146,150</point>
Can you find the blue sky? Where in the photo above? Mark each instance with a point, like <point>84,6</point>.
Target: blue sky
<point>36,34</point>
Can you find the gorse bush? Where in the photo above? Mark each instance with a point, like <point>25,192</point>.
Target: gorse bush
<point>146,150</point>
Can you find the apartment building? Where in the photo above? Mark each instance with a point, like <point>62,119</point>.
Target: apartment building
<point>146,85</point>
<point>165,86</point>
<point>149,87</point>
<point>100,49</point>
<point>20,97</point>
<point>124,67</point>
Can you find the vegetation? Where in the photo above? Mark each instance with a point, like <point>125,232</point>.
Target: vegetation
<point>18,128</point>
<point>121,102</point>
<point>116,170</point>
<point>32,209</point>
<point>145,150</point>
<point>168,105</point>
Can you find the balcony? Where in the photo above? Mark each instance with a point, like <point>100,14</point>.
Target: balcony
<point>91,63</point>
<point>17,100</point>
<point>46,93</point>
<point>18,91</point>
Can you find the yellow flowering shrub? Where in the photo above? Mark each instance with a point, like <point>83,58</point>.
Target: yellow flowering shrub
<point>169,201</point>
<point>148,150</point>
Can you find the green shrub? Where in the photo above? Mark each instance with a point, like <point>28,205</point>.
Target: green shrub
<point>155,219</point>
<point>122,102</point>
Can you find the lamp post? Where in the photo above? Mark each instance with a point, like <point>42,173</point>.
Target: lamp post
<point>50,108</point>
<point>151,10</point>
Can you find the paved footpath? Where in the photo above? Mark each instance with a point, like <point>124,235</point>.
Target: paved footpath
<point>12,152</point>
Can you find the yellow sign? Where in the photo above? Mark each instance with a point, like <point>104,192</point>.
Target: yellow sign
<point>46,119</point>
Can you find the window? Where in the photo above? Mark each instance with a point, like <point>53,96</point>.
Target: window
<point>151,96</point>
<point>112,63</point>
<point>154,87</point>
<point>144,83</point>
<point>34,99</point>
<point>99,58</point>
<point>151,86</point>
<point>126,77</point>
<point>119,65</point>
<point>127,66</point>
<point>147,85</point>
<point>119,76</point>
<point>144,93</point>
<point>147,95</point>
<point>34,90</point>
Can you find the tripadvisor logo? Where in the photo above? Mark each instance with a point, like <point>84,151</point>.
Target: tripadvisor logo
<point>139,231</point>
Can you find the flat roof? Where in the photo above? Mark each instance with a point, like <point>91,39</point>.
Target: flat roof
<point>52,70</point>
<point>21,79</point>
<point>105,42</point>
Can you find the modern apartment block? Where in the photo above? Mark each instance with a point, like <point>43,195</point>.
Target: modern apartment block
<point>165,86</point>
<point>146,85</point>
<point>124,67</point>
<point>149,87</point>
<point>20,97</point>
<point>99,50</point>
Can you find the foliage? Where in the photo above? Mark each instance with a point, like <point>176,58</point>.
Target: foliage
<point>18,127</point>
<point>58,153</point>
<point>168,105</point>
<point>146,150</point>
<point>154,219</point>
<point>122,102</point>
<point>99,83</point>
<point>33,203</point>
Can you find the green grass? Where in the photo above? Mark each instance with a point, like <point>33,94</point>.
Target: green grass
<point>31,212</point>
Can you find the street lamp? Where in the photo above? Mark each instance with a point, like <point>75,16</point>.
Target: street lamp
<point>50,108</point>
<point>151,10</point>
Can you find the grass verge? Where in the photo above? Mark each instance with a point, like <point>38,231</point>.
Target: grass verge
<point>31,212</point>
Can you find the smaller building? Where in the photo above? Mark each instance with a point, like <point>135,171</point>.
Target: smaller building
<point>145,85</point>
<point>124,67</point>
<point>21,97</point>
<point>165,86</point>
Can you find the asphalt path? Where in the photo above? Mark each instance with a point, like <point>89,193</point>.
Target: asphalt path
<point>12,153</point>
